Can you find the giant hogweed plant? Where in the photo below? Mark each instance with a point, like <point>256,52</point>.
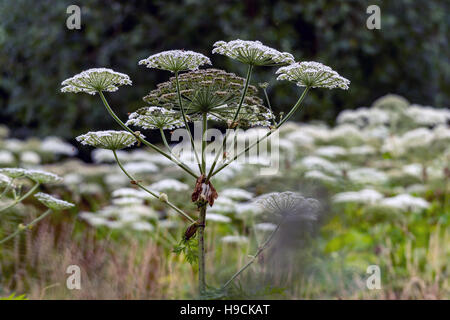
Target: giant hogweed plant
<point>205,95</point>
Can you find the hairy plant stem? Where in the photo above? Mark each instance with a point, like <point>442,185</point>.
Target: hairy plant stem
<point>241,101</point>
<point>269,105</point>
<point>175,159</point>
<point>204,140</point>
<point>186,122</point>
<point>202,218</point>
<point>254,257</point>
<point>26,195</point>
<point>134,181</point>
<point>201,249</point>
<point>282,121</point>
<point>152,146</point>
<point>27,226</point>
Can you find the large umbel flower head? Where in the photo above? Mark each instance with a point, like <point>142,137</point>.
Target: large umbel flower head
<point>213,92</point>
<point>53,203</point>
<point>312,75</point>
<point>110,139</point>
<point>290,204</point>
<point>252,53</point>
<point>155,118</point>
<point>95,80</point>
<point>176,60</point>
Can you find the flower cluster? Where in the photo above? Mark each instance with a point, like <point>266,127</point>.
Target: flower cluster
<point>52,202</point>
<point>290,203</point>
<point>252,53</point>
<point>312,75</point>
<point>213,92</point>
<point>176,60</point>
<point>13,173</point>
<point>95,80</point>
<point>155,118</point>
<point>41,176</point>
<point>110,139</point>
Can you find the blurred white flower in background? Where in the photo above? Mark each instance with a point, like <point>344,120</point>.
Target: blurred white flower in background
<point>235,239</point>
<point>56,145</point>
<point>168,185</point>
<point>405,202</point>
<point>140,167</point>
<point>236,194</point>
<point>6,157</point>
<point>215,217</point>
<point>367,176</point>
<point>30,157</point>
<point>363,196</point>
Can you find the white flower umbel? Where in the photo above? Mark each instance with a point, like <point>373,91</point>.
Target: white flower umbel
<point>110,139</point>
<point>252,53</point>
<point>176,60</point>
<point>290,203</point>
<point>312,75</point>
<point>52,202</point>
<point>155,118</point>
<point>94,80</point>
<point>13,172</point>
<point>42,176</point>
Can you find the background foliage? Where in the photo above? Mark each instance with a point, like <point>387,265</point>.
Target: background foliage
<point>408,56</point>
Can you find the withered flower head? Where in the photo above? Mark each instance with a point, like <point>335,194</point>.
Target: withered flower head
<point>204,192</point>
<point>191,231</point>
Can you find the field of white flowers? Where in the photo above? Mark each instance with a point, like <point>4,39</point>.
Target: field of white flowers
<point>382,174</point>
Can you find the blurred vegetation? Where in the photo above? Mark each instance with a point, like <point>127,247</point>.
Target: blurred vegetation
<point>408,56</point>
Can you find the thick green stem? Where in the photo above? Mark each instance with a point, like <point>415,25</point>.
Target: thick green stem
<point>178,210</point>
<point>26,195</point>
<point>288,116</point>
<point>148,144</point>
<point>27,226</point>
<point>186,122</point>
<point>201,249</point>
<point>204,138</point>
<point>255,256</point>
